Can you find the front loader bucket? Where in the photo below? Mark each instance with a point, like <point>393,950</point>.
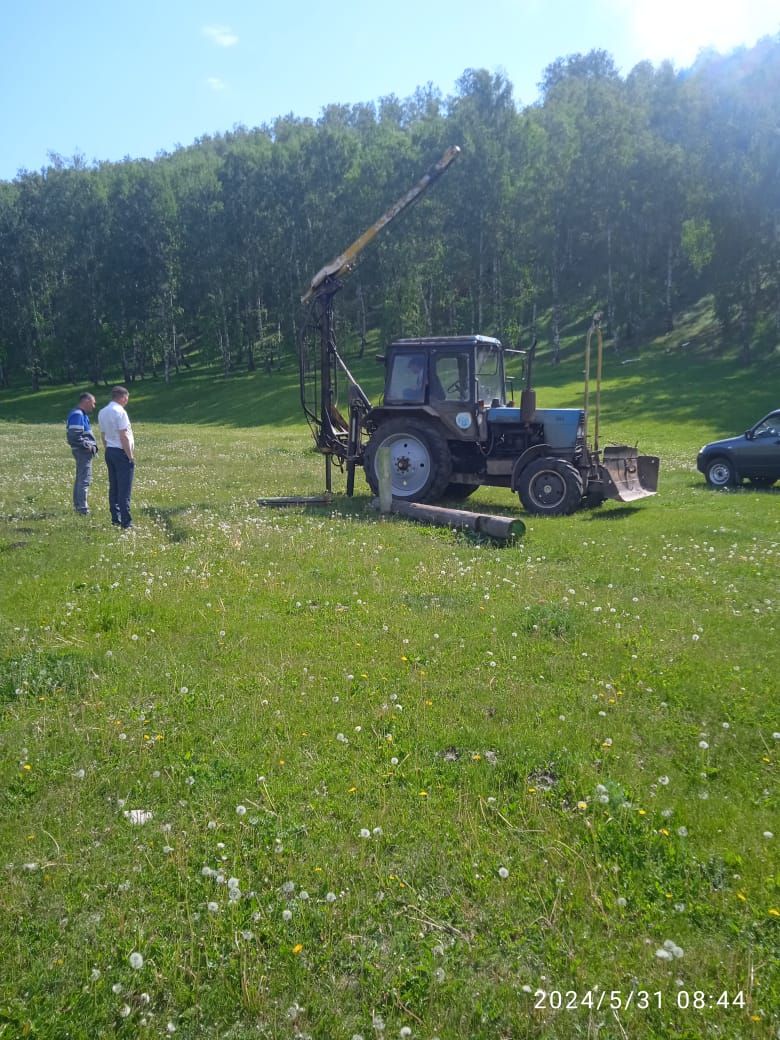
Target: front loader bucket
<point>628,476</point>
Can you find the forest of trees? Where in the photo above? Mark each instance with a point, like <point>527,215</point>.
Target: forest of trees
<point>636,195</point>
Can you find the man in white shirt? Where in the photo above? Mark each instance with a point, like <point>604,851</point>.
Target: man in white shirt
<point>117,435</point>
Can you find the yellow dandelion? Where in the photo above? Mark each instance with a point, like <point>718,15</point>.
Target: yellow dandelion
<point>642,812</point>
<point>297,949</point>
<point>774,912</point>
<point>582,805</point>
<point>664,831</point>
<point>423,794</point>
<point>741,896</point>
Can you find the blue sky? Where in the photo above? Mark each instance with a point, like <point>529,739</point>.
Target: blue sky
<point>115,78</point>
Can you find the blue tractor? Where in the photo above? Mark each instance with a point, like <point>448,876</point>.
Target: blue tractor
<point>449,428</point>
<point>446,420</point>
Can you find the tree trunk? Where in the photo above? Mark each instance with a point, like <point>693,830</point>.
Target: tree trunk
<point>556,313</point>
<point>668,300</point>
<point>362,319</point>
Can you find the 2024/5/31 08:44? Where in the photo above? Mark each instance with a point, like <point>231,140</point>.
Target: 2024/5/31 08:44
<point>641,999</point>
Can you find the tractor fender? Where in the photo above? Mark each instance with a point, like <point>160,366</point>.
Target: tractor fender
<point>538,451</point>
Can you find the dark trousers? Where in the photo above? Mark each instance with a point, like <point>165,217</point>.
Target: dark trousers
<point>120,485</point>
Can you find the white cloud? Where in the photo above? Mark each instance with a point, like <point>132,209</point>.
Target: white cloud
<point>216,83</point>
<point>679,29</point>
<point>222,35</point>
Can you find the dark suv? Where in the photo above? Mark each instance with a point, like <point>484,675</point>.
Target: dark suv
<point>755,456</point>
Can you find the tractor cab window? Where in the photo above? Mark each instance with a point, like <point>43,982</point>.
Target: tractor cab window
<point>449,377</point>
<point>406,379</point>
<point>490,375</point>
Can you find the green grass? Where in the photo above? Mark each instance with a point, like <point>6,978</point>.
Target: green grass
<point>476,710</point>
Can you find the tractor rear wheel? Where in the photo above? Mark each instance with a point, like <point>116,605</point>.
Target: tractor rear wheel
<point>420,460</point>
<point>550,487</point>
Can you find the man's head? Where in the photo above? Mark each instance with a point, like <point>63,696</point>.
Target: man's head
<point>86,402</point>
<point>120,394</point>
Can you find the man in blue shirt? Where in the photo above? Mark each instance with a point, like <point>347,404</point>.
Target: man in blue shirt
<point>84,447</point>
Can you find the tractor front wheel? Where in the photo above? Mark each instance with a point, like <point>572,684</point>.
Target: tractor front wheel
<point>420,460</point>
<point>550,487</point>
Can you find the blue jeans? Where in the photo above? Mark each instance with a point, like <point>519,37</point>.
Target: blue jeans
<point>83,479</point>
<point>120,485</point>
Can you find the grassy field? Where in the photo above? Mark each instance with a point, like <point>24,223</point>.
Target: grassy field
<point>323,774</point>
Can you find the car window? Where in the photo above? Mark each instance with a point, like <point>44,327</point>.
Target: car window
<point>769,427</point>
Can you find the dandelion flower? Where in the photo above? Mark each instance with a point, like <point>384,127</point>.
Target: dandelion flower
<point>503,872</point>
<point>297,948</point>
<point>287,915</point>
<point>240,810</point>
<point>664,955</point>
<point>365,832</point>
<point>213,907</point>
<point>136,960</point>
<point>768,835</point>
<point>703,745</point>
<point>330,897</point>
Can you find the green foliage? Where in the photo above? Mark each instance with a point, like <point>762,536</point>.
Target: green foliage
<point>635,195</point>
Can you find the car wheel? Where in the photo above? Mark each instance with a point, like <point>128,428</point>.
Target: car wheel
<point>550,487</point>
<point>420,460</point>
<point>720,473</point>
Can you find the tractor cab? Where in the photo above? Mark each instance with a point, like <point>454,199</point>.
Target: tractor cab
<point>458,370</point>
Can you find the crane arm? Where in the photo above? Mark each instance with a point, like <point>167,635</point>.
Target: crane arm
<point>344,262</point>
